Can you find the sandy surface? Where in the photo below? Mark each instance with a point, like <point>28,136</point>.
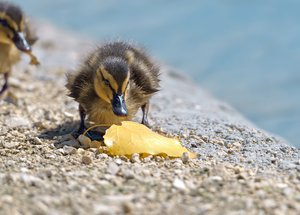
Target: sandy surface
<point>240,170</point>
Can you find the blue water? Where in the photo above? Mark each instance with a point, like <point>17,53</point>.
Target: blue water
<point>244,52</point>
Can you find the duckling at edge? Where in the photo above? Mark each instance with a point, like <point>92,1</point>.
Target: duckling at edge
<point>15,36</point>
<point>113,83</point>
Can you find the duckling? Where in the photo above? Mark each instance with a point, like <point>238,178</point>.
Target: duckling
<point>113,83</point>
<point>15,36</point>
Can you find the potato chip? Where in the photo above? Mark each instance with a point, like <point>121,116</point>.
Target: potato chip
<point>132,137</point>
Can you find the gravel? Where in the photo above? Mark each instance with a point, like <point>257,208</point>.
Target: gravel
<point>240,168</point>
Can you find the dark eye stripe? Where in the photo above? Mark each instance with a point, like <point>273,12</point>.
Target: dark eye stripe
<point>4,23</point>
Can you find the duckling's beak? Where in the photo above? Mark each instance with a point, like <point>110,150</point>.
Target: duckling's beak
<point>20,42</point>
<point>118,105</point>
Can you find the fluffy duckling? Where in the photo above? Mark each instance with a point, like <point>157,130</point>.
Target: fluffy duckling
<point>113,83</point>
<point>15,36</point>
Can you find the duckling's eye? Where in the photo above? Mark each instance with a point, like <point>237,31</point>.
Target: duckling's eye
<point>106,82</point>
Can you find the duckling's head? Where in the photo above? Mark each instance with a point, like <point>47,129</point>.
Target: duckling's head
<point>111,84</point>
<point>12,26</point>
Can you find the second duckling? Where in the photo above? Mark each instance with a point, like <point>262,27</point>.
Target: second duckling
<point>113,83</point>
<point>15,36</point>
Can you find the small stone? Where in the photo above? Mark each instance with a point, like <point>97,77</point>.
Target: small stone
<point>147,159</point>
<point>118,161</point>
<point>218,142</point>
<point>7,199</point>
<point>86,160</point>
<point>84,140</point>
<point>41,207</point>
<point>68,114</point>
<point>69,150</point>
<point>287,191</point>
<point>10,144</point>
<point>127,208</point>
<point>177,163</point>
<point>17,121</point>
<point>281,185</point>
<point>128,174</point>
<point>237,144</point>
<point>80,151</point>
<point>30,180</point>
<point>135,158</point>
<point>237,170</point>
<point>50,156</point>
<point>242,176</point>
<point>112,168</point>
<point>37,141</point>
<point>74,143</point>
<point>179,184</point>
<point>158,159</point>
<point>185,157</point>
<point>216,178</point>
<point>146,172</point>
<point>95,144</point>
<point>102,156</point>
<point>269,203</point>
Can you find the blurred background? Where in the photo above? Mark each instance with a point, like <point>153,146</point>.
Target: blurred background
<point>244,52</point>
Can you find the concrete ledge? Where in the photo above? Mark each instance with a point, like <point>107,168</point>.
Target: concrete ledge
<point>240,170</point>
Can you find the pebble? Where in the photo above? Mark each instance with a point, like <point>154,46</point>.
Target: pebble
<point>17,121</point>
<point>179,184</point>
<point>84,140</point>
<point>185,157</point>
<point>68,114</point>
<point>147,159</point>
<point>37,141</point>
<point>128,174</point>
<point>158,159</point>
<point>281,185</point>
<point>31,180</point>
<point>102,156</point>
<point>135,158</point>
<point>269,203</point>
<point>69,150</point>
<point>216,178</point>
<point>237,144</point>
<point>80,151</point>
<point>95,144</point>
<point>73,143</point>
<point>177,163</point>
<point>86,160</point>
<point>242,176</point>
<point>146,172</point>
<point>10,144</point>
<point>7,199</point>
<point>118,161</point>
<point>218,142</point>
<point>112,168</point>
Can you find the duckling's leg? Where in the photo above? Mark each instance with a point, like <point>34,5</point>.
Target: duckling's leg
<point>5,86</point>
<point>81,128</point>
<point>82,115</point>
<point>145,110</point>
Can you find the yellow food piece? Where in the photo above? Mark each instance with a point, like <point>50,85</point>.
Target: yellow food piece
<point>33,59</point>
<point>132,137</point>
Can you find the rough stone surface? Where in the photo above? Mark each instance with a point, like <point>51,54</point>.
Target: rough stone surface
<point>240,169</point>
